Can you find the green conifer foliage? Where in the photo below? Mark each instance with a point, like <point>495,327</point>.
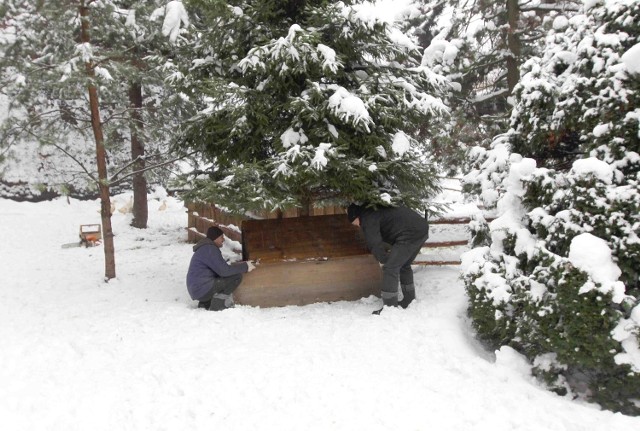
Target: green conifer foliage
<point>481,45</point>
<point>307,102</point>
<point>530,287</point>
<point>43,75</point>
<point>571,95</point>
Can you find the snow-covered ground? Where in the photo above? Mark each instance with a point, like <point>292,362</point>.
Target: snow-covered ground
<point>135,354</point>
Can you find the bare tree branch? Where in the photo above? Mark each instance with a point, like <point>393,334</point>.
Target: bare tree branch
<point>72,157</point>
<point>158,165</point>
<point>550,7</point>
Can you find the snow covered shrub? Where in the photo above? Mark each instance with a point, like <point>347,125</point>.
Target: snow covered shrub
<point>567,100</point>
<point>486,171</point>
<point>540,131</point>
<point>591,201</point>
<point>558,280</point>
<point>464,128</point>
<point>548,284</point>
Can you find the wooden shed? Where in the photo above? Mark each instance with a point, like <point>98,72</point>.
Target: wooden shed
<point>304,260</point>
<point>316,258</point>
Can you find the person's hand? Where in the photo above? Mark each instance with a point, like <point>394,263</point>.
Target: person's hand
<point>250,265</point>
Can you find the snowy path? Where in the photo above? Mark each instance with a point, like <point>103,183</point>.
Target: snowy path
<point>135,355</point>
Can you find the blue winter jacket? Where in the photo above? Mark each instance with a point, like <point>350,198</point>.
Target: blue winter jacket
<point>207,264</point>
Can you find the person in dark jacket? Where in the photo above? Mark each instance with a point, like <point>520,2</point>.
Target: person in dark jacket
<point>211,280</point>
<point>394,236</point>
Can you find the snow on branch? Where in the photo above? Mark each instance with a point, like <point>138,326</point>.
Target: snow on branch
<point>175,15</point>
<point>350,107</point>
<point>551,7</point>
<point>296,51</point>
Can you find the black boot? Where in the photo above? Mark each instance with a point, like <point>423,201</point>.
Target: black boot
<point>387,302</point>
<point>217,304</point>
<point>408,295</point>
<point>221,301</point>
<point>204,304</point>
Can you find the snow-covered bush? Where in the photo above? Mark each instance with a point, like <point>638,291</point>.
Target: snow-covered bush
<point>583,93</point>
<point>558,279</point>
<point>552,283</point>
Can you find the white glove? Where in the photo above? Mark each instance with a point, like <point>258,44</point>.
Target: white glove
<point>251,266</point>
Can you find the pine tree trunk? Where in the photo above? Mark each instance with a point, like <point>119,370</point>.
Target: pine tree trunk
<point>513,43</point>
<point>306,208</point>
<point>140,204</point>
<point>101,157</point>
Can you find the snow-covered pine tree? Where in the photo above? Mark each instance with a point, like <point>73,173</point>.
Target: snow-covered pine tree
<point>308,102</point>
<point>559,281</point>
<point>70,69</point>
<point>45,81</point>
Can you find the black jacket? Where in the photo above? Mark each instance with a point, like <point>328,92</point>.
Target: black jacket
<point>391,226</point>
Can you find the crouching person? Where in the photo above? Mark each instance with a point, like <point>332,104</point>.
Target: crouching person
<point>211,280</point>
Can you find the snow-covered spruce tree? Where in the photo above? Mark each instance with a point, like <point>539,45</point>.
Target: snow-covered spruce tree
<point>44,76</point>
<point>542,131</point>
<point>308,102</point>
<point>483,44</point>
<point>559,280</point>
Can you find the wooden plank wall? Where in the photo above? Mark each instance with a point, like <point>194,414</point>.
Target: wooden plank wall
<point>276,284</point>
<point>202,216</point>
<point>319,237</point>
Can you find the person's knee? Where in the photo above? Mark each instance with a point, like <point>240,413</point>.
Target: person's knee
<point>233,282</point>
<point>406,268</point>
<point>391,269</point>
<point>227,285</point>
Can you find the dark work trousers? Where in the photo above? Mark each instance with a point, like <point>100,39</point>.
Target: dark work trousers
<point>223,287</point>
<point>397,268</point>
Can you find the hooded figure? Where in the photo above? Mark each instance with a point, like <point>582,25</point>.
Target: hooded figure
<point>394,236</point>
<point>210,279</point>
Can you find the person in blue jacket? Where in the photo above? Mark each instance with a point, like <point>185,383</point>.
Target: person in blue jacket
<point>394,235</point>
<point>211,280</point>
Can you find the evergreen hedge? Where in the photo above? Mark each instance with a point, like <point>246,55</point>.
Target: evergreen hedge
<point>564,184</point>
